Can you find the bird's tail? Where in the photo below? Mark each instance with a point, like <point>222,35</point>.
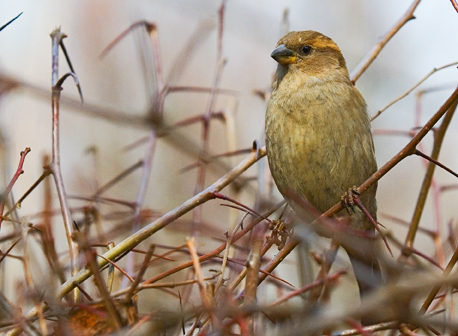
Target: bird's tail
<point>368,275</point>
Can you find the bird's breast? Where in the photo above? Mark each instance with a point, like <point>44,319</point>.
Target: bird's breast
<point>318,141</point>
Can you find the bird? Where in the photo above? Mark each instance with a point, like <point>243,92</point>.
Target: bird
<point>319,141</point>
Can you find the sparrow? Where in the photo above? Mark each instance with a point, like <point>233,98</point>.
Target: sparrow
<point>319,141</point>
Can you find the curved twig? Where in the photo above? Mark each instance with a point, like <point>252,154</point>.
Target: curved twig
<point>405,94</point>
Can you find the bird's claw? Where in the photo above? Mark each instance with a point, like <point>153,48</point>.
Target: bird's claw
<point>279,233</point>
<point>348,199</point>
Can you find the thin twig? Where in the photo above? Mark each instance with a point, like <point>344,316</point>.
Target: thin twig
<point>112,263</point>
<point>226,252</point>
<point>70,65</point>
<point>140,274</point>
<point>328,259</point>
<point>207,301</point>
<point>19,171</point>
<point>6,24</point>
<point>46,173</point>
<point>118,178</point>
<point>333,277</point>
<point>405,94</point>
<point>6,253</point>
<point>437,163</point>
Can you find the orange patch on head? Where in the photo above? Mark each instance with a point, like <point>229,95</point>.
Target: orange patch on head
<point>321,42</point>
<point>312,38</point>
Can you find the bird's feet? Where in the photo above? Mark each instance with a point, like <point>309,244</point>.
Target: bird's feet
<point>348,199</point>
<point>279,233</point>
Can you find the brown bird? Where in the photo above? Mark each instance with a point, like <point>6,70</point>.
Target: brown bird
<point>319,140</point>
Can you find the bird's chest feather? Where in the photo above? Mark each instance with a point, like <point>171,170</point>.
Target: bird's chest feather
<point>314,134</point>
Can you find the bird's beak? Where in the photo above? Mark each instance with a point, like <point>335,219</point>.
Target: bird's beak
<point>283,55</point>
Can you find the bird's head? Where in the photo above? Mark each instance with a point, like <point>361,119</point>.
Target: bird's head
<point>309,53</point>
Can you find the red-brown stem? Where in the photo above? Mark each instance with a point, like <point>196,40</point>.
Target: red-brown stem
<point>214,158</point>
<point>112,263</point>
<point>243,207</point>
<point>198,118</point>
<point>429,259</point>
<point>374,223</point>
<point>358,327</point>
<point>27,193</point>
<point>140,274</point>
<point>437,163</point>
<point>16,175</point>
<point>316,283</point>
<point>5,254</point>
<point>370,57</point>
<point>454,4</point>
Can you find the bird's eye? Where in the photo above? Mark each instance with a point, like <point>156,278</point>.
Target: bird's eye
<point>306,49</point>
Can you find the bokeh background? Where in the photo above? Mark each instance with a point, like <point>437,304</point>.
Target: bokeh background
<point>119,83</point>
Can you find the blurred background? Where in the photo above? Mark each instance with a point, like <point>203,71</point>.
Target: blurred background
<point>95,149</point>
